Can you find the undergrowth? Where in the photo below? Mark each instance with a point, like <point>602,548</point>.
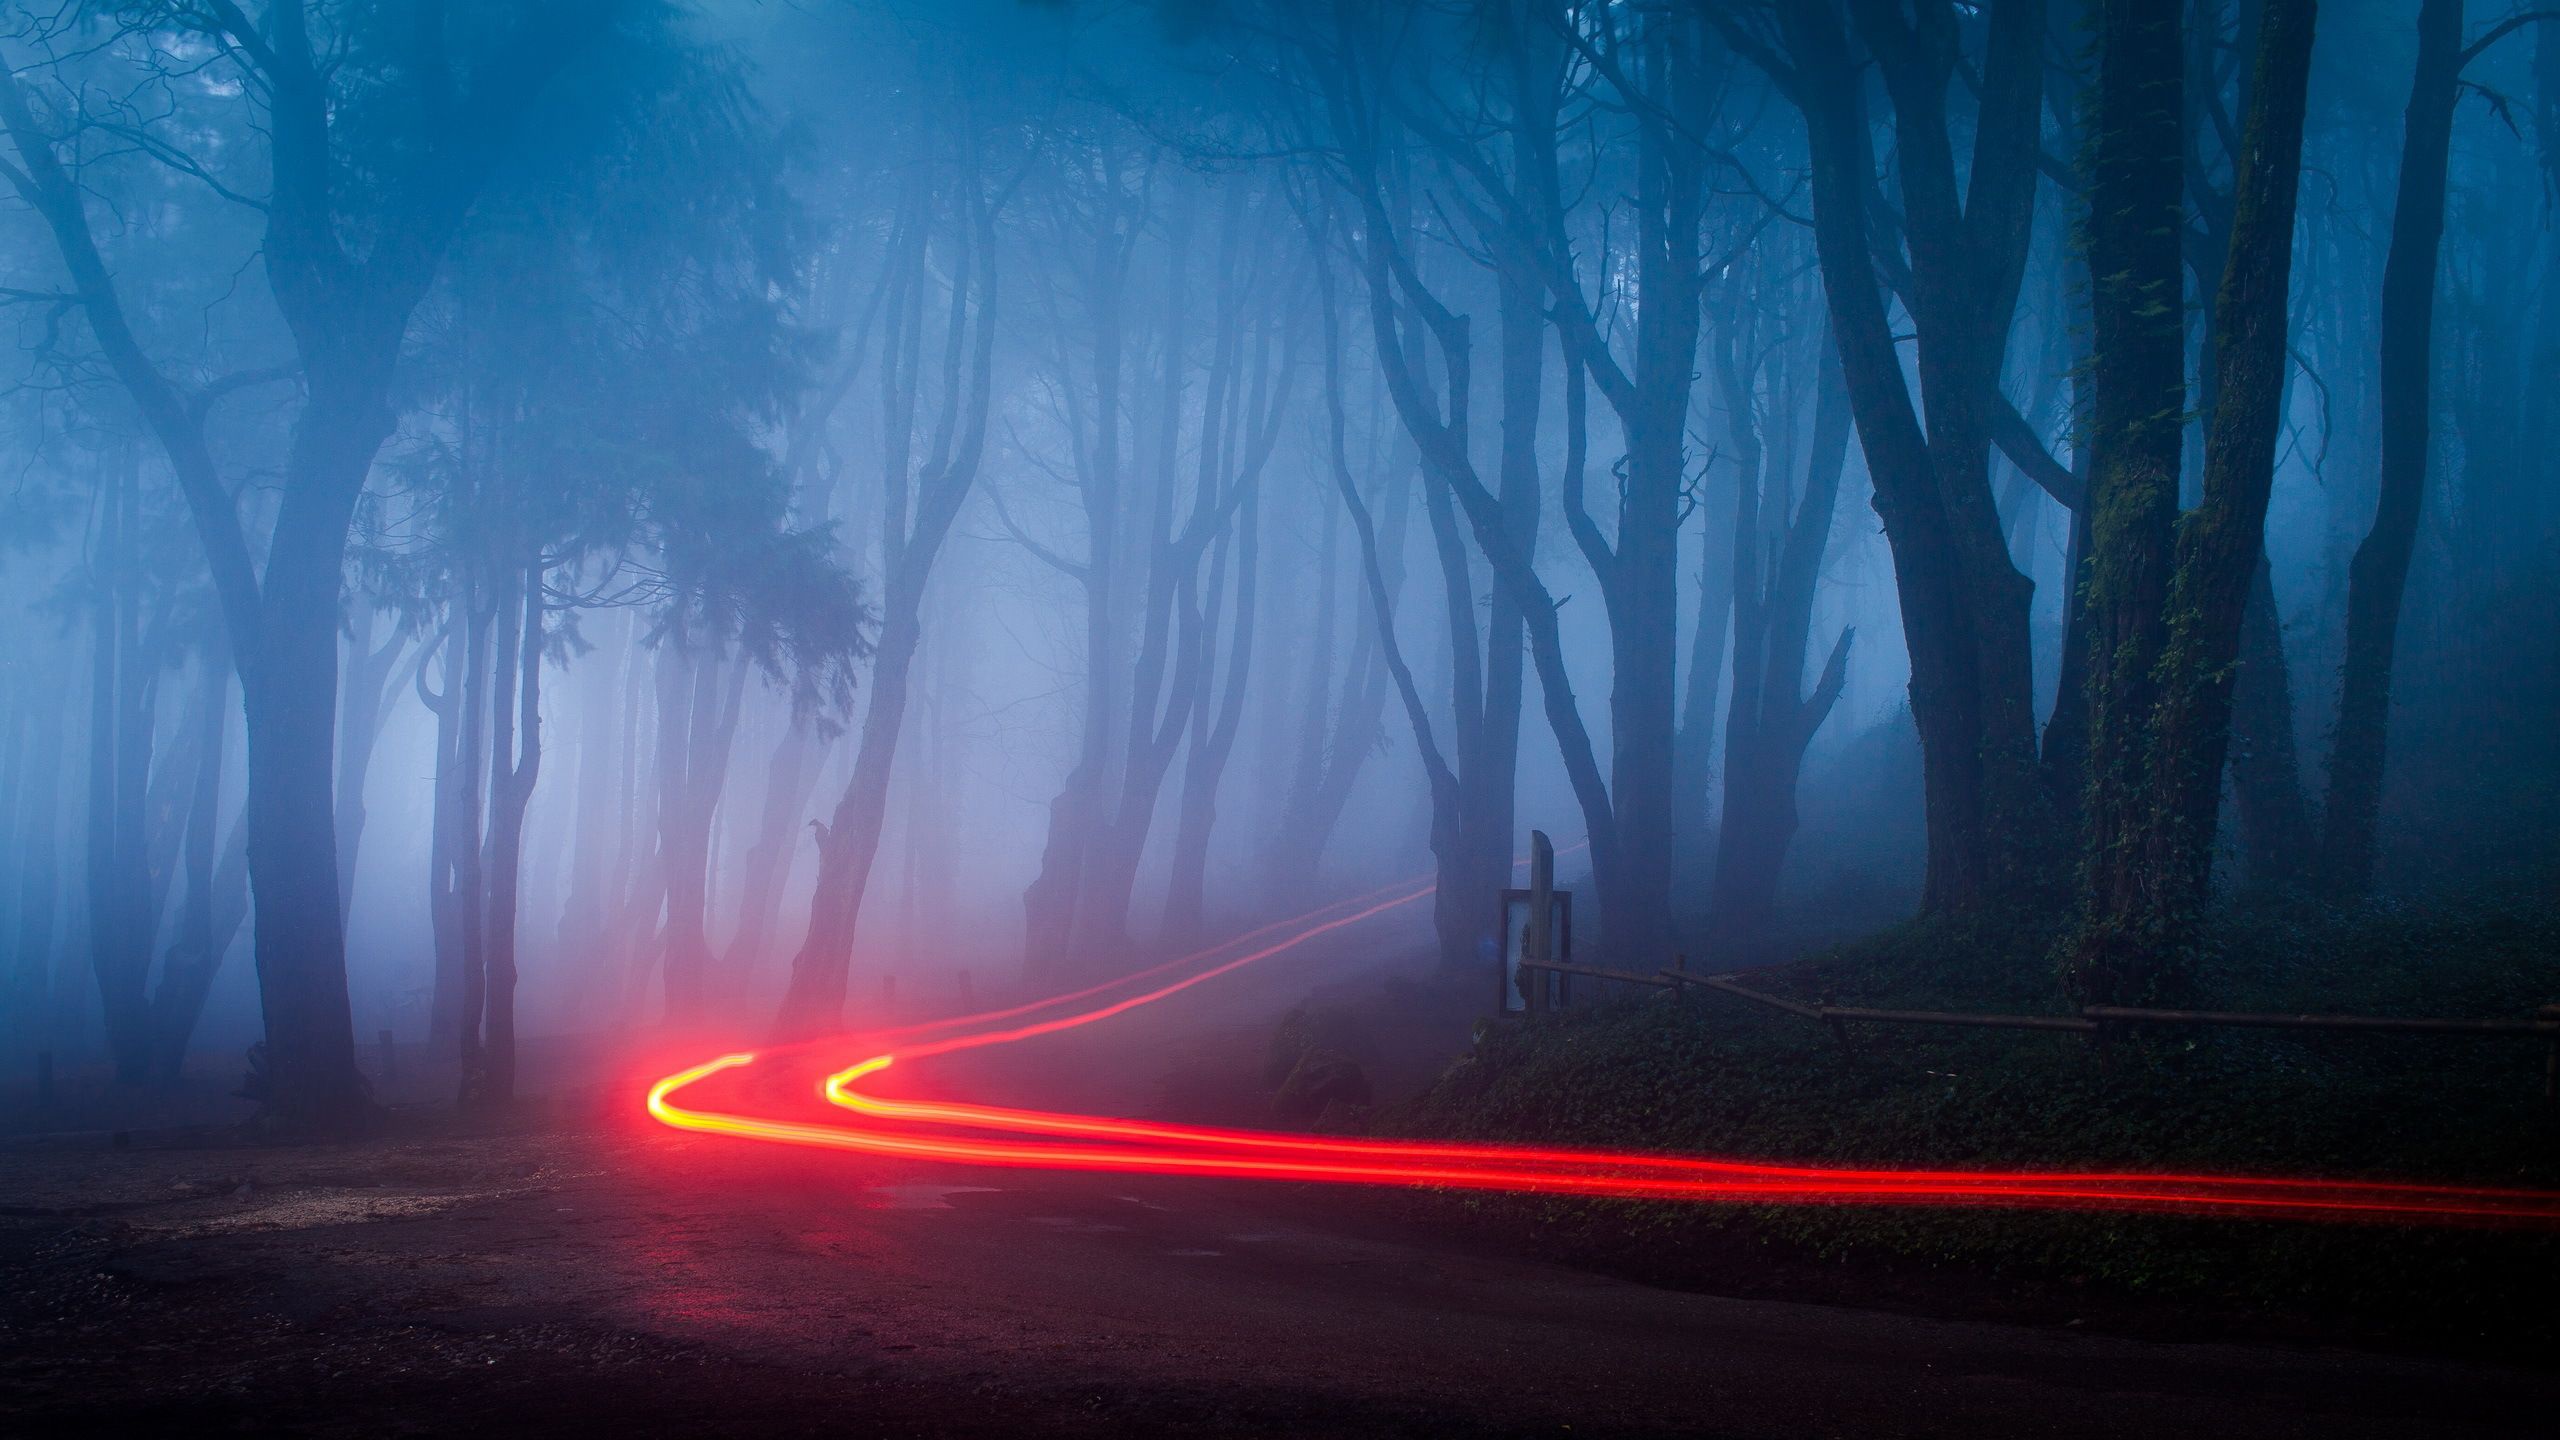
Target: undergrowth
<point>1703,1073</point>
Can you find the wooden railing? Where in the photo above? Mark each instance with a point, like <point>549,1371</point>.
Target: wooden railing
<point>2094,1021</point>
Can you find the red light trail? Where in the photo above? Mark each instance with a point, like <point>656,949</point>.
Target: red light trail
<point>973,1134</point>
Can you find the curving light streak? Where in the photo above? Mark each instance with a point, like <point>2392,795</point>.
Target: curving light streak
<point>972,1134</point>
<point>1105,987</point>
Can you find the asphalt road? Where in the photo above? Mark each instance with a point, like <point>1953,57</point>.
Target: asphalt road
<point>612,1278</point>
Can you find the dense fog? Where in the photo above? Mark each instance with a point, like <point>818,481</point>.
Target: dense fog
<point>564,519</point>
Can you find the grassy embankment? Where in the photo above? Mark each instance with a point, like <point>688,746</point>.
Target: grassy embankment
<point>1708,1074</point>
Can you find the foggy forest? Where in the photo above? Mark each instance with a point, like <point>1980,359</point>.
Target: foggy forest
<point>532,532</point>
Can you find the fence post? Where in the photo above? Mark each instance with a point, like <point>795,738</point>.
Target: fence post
<point>1536,937</point>
<point>1839,1027</point>
<point>2550,1062</point>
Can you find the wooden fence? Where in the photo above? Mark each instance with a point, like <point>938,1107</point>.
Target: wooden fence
<point>2098,1022</point>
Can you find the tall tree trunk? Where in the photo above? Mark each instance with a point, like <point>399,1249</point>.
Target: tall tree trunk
<point>2266,772</point>
<point>1049,904</point>
<point>1347,731</point>
<point>361,712</point>
<point>36,846</point>
<point>195,953</point>
<point>2379,575</point>
<point>16,763</point>
<point>446,833</point>
<point>1468,903</point>
<point>2157,770</point>
<point>1964,603</point>
<point>515,760</point>
<point>1445,462</point>
<point>1165,672</point>
<point>1442,785</point>
<point>121,713</point>
<point>700,690</point>
<point>1639,575</point>
<point>789,778</point>
<point>2136,216</point>
<point>484,633</point>
<point>1213,738</point>
<point>2065,748</point>
<point>140,788</point>
<point>848,847</point>
<point>2540,484</point>
<point>597,836</point>
<point>637,890</point>
<point>912,537</point>
<point>1243,402</point>
<point>100,875</point>
<point>1774,720</point>
<point>1693,761</point>
<point>2266,780</point>
<point>1292,852</point>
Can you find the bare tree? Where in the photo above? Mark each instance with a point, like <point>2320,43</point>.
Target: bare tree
<point>1966,229</point>
<point>347,261</point>
<point>920,500</point>
<point>2379,578</point>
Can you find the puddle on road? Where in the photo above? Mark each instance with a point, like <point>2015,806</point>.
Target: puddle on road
<point>1073,1226</point>
<point>923,1197</point>
<point>303,1208</point>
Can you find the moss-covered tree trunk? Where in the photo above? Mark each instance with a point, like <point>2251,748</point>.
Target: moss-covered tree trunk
<point>2138,366</point>
<point>2160,696</point>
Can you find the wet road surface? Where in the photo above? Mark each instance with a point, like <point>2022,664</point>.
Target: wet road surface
<point>614,1278</point>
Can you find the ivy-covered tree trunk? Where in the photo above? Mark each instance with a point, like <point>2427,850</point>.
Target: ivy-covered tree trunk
<point>2160,723</point>
<point>2136,215</point>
